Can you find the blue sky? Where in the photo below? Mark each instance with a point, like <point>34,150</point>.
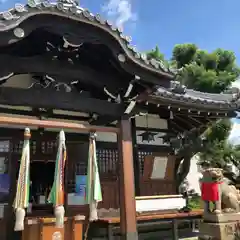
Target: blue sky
<point>208,23</point>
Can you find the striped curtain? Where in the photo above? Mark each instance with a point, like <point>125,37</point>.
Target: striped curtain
<point>56,196</point>
<point>94,193</point>
<point>22,194</point>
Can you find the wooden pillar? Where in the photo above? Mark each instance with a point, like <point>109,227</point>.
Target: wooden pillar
<point>128,221</point>
<point>136,162</point>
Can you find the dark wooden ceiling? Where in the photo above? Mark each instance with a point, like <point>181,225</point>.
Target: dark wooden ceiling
<point>93,65</point>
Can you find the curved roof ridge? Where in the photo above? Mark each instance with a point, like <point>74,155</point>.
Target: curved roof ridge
<point>12,19</point>
<point>179,90</point>
<point>212,96</point>
<point>189,96</point>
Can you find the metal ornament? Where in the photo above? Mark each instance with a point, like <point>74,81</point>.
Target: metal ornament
<point>121,58</point>
<point>46,4</point>
<point>19,32</point>
<point>60,6</point>
<point>56,236</point>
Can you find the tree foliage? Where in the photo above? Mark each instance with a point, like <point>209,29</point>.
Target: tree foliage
<point>156,54</point>
<point>207,72</point>
<point>211,72</point>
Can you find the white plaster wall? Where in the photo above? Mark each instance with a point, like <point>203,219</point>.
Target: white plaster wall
<point>19,81</point>
<point>194,175</point>
<point>153,122</point>
<point>111,137</point>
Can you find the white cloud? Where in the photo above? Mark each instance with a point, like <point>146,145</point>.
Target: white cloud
<point>236,84</point>
<point>234,136</point>
<point>120,11</point>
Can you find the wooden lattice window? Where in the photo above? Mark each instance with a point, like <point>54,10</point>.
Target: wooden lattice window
<point>18,147</point>
<point>107,161</point>
<point>141,157</point>
<point>49,147</point>
<point>81,168</point>
<point>5,146</point>
<point>33,146</point>
<point>4,170</point>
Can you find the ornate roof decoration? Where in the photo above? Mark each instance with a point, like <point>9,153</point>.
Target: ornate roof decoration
<point>12,21</point>
<point>179,94</point>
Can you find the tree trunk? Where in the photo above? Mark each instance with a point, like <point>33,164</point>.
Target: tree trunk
<point>184,170</point>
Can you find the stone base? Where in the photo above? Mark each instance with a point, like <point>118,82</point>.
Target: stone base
<point>221,218</point>
<point>221,231</point>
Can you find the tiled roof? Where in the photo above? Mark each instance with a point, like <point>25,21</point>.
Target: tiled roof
<point>12,19</point>
<point>184,96</point>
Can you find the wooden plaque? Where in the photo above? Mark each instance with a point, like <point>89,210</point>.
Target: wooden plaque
<point>159,167</point>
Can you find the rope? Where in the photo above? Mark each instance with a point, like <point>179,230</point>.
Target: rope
<point>86,232</point>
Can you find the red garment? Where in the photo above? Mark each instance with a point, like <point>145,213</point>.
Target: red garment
<point>210,191</point>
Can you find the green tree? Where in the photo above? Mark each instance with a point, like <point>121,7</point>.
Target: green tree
<point>156,54</point>
<point>211,72</point>
<point>218,152</point>
<point>207,72</point>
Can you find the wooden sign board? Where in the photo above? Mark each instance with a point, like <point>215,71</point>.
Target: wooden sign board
<point>159,167</point>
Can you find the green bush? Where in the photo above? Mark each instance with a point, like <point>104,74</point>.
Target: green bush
<point>195,202</point>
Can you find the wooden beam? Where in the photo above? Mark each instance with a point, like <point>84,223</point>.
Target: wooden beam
<point>136,162</point>
<point>68,72</point>
<point>184,122</point>
<point>128,224</point>
<point>103,120</point>
<point>198,122</point>
<point>37,113</point>
<point>54,124</point>
<point>173,125</point>
<point>150,129</point>
<point>49,98</point>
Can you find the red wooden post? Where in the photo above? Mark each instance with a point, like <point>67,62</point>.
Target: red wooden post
<point>126,177</point>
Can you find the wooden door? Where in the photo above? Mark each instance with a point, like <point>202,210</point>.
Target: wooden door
<point>76,164</point>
